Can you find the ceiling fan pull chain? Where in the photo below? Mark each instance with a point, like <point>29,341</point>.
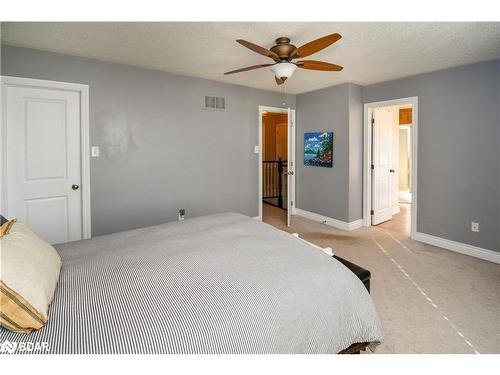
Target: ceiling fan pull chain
<point>283,102</point>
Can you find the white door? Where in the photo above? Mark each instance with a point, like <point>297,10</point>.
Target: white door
<point>395,161</point>
<point>382,145</point>
<point>43,166</point>
<point>291,165</point>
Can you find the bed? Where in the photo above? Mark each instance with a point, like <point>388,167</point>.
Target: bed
<point>222,283</point>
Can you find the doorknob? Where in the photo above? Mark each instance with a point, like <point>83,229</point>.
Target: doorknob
<point>75,187</point>
<point>392,170</point>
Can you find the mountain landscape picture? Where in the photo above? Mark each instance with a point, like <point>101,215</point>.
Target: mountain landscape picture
<point>318,149</point>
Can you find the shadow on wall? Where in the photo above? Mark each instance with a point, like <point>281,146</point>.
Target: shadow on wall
<point>116,135</point>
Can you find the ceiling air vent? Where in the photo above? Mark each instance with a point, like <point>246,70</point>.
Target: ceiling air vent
<point>215,102</point>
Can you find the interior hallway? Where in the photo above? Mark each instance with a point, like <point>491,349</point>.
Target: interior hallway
<point>273,215</point>
<point>429,300</point>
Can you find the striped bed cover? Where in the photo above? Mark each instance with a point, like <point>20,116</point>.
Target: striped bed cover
<point>222,283</point>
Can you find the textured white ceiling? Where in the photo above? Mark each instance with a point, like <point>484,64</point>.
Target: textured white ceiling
<point>370,52</point>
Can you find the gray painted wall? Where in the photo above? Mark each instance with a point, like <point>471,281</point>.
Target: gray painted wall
<point>355,152</point>
<point>335,192</point>
<point>458,150</point>
<point>160,150</point>
<point>323,190</point>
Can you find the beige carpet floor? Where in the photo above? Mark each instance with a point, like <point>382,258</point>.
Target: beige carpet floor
<point>429,300</point>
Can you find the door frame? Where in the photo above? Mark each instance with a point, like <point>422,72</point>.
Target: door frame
<point>367,152</point>
<point>83,91</point>
<point>263,108</point>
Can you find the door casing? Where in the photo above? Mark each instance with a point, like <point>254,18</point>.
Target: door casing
<point>291,142</point>
<point>367,152</point>
<point>83,90</point>
<point>290,195</point>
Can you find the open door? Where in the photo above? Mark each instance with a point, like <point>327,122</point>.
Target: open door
<point>382,170</point>
<point>291,165</point>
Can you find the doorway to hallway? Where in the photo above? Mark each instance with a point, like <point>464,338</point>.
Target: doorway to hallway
<point>274,164</point>
<point>390,165</point>
<point>276,160</point>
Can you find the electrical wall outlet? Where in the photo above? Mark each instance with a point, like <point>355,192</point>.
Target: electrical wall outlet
<point>94,151</point>
<point>474,227</point>
<point>182,213</point>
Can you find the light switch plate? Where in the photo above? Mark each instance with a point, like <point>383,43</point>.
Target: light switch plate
<point>95,151</point>
<point>255,149</point>
<point>474,227</point>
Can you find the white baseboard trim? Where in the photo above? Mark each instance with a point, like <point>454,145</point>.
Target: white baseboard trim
<point>339,224</point>
<point>395,209</point>
<point>458,247</point>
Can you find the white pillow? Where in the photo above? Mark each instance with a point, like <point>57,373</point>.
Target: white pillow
<point>29,271</point>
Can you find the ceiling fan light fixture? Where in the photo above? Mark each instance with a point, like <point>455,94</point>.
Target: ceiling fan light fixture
<point>283,70</point>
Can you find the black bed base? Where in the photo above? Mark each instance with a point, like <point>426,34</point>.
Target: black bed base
<point>363,274</point>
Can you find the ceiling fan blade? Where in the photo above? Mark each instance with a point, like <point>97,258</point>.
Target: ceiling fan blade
<point>248,68</point>
<point>318,65</point>
<point>279,81</point>
<point>316,45</point>
<point>258,49</point>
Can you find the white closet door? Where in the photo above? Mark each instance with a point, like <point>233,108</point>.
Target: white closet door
<point>43,166</point>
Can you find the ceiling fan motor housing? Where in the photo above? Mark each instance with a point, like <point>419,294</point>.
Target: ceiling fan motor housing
<point>283,48</point>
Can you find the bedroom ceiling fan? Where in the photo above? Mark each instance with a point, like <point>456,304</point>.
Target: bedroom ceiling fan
<point>283,54</point>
